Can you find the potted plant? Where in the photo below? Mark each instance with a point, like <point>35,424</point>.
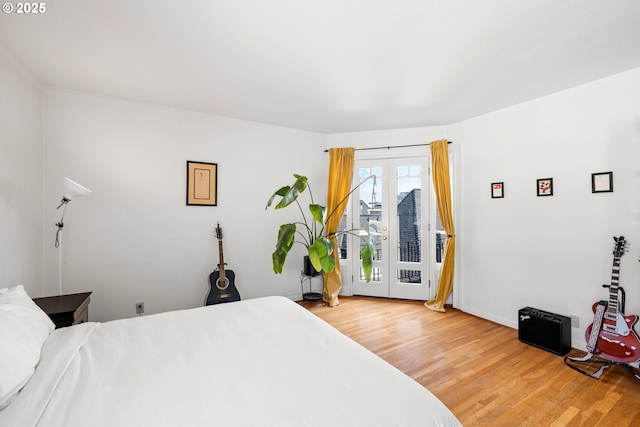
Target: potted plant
<point>311,231</point>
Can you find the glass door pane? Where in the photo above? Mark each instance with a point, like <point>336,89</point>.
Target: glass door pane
<point>370,213</point>
<point>411,219</point>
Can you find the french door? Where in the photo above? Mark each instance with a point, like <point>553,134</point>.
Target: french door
<point>392,201</point>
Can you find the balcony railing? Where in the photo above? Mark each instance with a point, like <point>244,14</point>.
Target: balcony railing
<point>409,251</point>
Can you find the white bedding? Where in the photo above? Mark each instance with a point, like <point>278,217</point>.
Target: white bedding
<point>262,362</point>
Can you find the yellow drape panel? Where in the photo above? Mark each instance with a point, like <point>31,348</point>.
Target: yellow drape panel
<point>340,176</point>
<point>442,187</point>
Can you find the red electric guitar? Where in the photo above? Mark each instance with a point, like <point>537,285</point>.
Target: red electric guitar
<point>616,341</point>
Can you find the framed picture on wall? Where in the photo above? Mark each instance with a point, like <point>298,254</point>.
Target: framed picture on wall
<point>602,182</point>
<point>202,184</point>
<point>544,187</point>
<point>497,190</point>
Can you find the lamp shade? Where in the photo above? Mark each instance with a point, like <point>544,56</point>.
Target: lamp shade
<point>73,189</point>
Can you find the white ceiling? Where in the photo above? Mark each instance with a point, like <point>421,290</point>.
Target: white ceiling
<point>330,65</point>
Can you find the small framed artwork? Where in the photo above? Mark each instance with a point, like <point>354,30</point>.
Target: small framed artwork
<point>602,182</point>
<point>544,187</point>
<point>202,184</point>
<point>497,190</point>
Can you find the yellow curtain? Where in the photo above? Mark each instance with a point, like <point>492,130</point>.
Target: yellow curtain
<point>340,176</point>
<point>441,184</point>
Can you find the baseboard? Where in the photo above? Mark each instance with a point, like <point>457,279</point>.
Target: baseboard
<point>512,323</point>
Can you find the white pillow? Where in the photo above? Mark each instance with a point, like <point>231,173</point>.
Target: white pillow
<point>24,328</point>
<point>3,290</point>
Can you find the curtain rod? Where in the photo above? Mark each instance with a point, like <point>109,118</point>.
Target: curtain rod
<point>390,147</point>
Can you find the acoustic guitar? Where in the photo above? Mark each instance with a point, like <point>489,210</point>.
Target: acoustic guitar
<point>221,282</point>
<point>616,341</point>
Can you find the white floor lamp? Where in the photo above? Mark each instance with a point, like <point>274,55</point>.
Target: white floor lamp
<point>71,189</point>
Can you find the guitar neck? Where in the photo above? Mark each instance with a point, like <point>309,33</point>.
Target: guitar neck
<point>221,265</point>
<point>612,307</point>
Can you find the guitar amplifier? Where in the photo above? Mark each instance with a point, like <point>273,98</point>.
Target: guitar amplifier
<point>548,331</point>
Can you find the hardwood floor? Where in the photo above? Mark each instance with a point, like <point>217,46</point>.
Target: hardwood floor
<point>481,371</point>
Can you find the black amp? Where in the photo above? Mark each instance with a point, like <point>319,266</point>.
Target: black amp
<point>548,331</point>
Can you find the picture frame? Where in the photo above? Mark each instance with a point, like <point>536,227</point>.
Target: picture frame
<point>202,184</point>
<point>497,190</point>
<point>544,187</point>
<point>602,182</point>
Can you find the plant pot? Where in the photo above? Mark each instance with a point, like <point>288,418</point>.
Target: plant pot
<point>308,268</point>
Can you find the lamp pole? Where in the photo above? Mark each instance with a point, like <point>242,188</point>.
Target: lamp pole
<point>65,201</point>
<point>73,189</point>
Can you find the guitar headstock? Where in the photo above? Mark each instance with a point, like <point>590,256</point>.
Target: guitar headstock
<point>620,247</point>
<point>219,232</point>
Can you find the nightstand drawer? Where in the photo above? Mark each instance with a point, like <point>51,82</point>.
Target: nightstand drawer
<point>66,310</point>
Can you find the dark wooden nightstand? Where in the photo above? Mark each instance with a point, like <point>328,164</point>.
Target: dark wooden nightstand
<point>66,310</point>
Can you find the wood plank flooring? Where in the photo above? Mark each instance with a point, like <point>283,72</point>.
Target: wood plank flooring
<point>481,371</point>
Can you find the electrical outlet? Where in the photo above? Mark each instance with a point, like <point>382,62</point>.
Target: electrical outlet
<point>575,321</point>
<point>139,308</point>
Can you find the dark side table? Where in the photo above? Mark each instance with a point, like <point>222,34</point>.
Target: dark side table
<point>66,310</point>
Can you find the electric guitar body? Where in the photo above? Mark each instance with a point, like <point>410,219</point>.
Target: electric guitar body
<point>620,342</point>
<point>222,286</point>
<point>616,340</point>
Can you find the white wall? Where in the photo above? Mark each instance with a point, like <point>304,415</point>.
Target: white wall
<point>389,138</point>
<point>20,177</point>
<point>553,253</point>
<point>134,239</point>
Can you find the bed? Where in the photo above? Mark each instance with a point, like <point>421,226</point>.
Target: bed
<point>260,362</point>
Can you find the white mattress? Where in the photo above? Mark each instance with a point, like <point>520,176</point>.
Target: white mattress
<point>262,362</point>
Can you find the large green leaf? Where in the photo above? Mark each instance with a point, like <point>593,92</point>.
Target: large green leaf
<point>294,191</point>
<point>286,237</point>
<point>314,257</point>
<point>318,213</point>
<point>280,192</point>
<point>320,255</point>
<point>367,254</point>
